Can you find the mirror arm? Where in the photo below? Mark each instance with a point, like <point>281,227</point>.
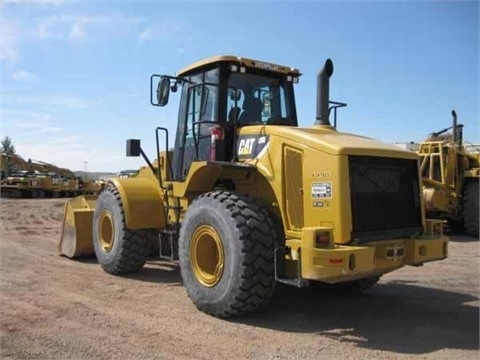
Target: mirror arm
<point>147,160</point>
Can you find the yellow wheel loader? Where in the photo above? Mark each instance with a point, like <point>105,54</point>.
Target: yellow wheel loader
<point>247,198</point>
<point>450,174</point>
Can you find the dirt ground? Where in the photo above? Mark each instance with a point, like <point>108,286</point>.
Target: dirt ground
<point>55,308</point>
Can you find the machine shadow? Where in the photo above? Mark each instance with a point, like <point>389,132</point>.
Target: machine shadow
<point>156,271</point>
<point>462,236</point>
<point>396,316</point>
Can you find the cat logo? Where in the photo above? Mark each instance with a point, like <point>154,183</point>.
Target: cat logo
<point>246,146</point>
<point>251,146</point>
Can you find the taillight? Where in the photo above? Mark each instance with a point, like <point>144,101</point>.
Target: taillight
<point>322,239</point>
<point>217,134</point>
<point>434,227</point>
<point>437,228</point>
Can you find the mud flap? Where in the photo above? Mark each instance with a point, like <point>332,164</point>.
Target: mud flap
<point>76,240</point>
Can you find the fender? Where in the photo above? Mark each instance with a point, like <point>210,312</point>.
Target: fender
<point>142,202</point>
<point>203,175</point>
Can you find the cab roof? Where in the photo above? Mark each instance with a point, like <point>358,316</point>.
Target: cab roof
<point>250,63</point>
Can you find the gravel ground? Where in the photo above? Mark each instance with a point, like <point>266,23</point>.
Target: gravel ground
<point>55,308</point>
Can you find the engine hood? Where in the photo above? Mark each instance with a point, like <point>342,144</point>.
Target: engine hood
<point>328,140</point>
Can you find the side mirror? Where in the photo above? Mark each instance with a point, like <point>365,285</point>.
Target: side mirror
<point>133,147</point>
<point>162,90</point>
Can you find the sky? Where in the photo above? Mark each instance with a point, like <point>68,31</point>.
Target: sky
<point>75,75</point>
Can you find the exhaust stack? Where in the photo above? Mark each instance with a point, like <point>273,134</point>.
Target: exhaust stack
<point>457,130</point>
<point>323,93</point>
<point>454,126</point>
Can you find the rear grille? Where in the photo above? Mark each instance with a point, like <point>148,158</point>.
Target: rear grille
<point>385,198</point>
<point>293,167</point>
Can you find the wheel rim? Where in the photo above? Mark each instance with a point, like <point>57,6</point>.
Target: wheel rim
<point>207,256</point>
<point>106,231</point>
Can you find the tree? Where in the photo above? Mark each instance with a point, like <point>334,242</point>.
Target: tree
<point>7,145</point>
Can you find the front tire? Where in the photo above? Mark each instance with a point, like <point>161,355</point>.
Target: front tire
<point>226,252</point>
<point>118,249</point>
<point>470,207</point>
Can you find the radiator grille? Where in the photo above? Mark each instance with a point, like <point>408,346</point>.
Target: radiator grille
<point>385,198</point>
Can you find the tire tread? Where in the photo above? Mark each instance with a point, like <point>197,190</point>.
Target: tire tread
<point>133,252</point>
<point>258,237</point>
<point>470,207</point>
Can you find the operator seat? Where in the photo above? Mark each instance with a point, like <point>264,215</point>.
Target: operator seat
<point>252,111</point>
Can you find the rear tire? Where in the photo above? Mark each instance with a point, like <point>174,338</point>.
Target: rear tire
<point>226,252</point>
<point>118,249</point>
<point>470,207</point>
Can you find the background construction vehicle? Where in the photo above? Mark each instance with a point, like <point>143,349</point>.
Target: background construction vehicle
<point>127,173</point>
<point>38,179</point>
<point>10,163</point>
<point>450,173</point>
<point>247,198</point>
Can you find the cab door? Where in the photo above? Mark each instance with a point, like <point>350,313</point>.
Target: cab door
<point>200,104</point>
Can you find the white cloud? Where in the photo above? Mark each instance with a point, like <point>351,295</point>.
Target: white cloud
<point>11,33</point>
<point>79,27</point>
<point>173,31</point>
<point>39,127</point>
<point>71,152</point>
<point>63,154</point>
<point>161,32</point>
<point>64,26</point>
<point>8,42</point>
<point>40,135</point>
<point>24,115</point>
<point>23,75</point>
<point>45,101</point>
<point>30,121</point>
<point>77,32</point>
<point>186,45</point>
<point>145,35</point>
<point>39,2</point>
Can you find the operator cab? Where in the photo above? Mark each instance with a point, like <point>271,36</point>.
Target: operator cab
<point>219,95</point>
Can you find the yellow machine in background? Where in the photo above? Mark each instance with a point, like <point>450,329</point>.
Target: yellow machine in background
<point>450,173</point>
<point>10,163</point>
<point>247,198</point>
<point>127,173</point>
<point>38,179</point>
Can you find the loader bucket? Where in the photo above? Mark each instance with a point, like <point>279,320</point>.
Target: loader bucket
<point>76,238</point>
